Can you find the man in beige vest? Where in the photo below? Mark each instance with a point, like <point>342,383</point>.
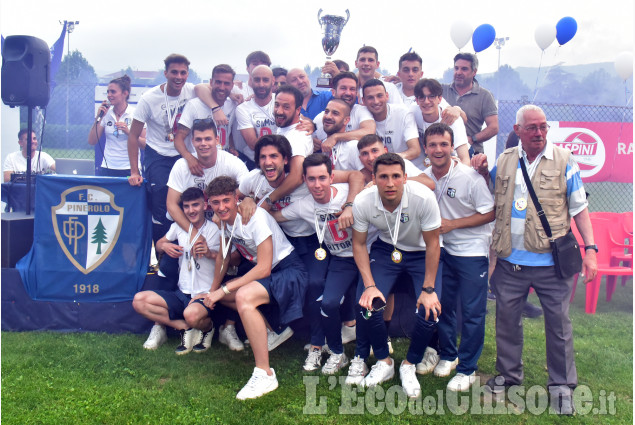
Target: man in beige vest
<point>524,253</point>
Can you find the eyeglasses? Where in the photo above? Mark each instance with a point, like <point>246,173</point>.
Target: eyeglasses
<point>424,97</point>
<point>532,128</point>
<point>203,120</point>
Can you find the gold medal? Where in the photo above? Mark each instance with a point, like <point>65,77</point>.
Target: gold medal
<point>520,204</point>
<point>320,254</point>
<point>396,256</point>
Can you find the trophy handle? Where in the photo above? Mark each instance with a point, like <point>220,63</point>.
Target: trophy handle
<point>348,15</point>
<point>320,13</point>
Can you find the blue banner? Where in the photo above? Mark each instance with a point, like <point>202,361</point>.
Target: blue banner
<point>91,240</point>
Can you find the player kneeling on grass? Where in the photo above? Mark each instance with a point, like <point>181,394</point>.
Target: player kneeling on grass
<point>274,287</point>
<point>196,250</point>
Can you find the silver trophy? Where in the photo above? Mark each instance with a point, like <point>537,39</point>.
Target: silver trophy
<point>332,26</point>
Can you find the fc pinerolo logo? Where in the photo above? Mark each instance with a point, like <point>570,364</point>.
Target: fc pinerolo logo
<point>87,223</point>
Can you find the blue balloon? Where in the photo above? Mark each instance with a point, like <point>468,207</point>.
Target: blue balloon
<point>566,29</point>
<point>483,37</point>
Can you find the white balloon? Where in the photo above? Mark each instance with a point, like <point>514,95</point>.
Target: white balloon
<point>545,34</point>
<point>461,33</point>
<point>624,65</point>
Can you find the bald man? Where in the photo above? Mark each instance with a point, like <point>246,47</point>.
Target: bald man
<point>314,101</point>
<point>255,117</point>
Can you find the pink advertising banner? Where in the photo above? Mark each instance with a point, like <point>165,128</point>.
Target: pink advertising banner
<point>604,150</point>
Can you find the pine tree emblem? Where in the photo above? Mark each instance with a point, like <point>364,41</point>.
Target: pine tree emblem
<point>99,236</point>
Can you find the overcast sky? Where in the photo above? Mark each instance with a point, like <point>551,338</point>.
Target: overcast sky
<point>140,33</point>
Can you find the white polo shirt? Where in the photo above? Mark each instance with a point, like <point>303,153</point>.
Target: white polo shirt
<point>256,184</point>
<point>465,194</point>
<point>338,241</point>
<point>420,212</point>
<point>247,237</point>
<point>398,127</point>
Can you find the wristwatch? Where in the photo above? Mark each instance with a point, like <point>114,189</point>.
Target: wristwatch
<point>428,289</point>
<point>593,247</point>
<point>474,139</point>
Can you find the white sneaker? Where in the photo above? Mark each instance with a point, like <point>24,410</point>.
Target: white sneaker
<point>188,338</point>
<point>334,363</point>
<point>157,337</point>
<point>349,334</point>
<point>325,348</point>
<point>356,371</point>
<point>274,339</point>
<point>461,382</point>
<point>229,337</point>
<point>258,385</point>
<point>409,382</point>
<point>380,372</point>
<point>445,367</point>
<point>313,360</point>
<point>429,362</point>
<point>205,342</point>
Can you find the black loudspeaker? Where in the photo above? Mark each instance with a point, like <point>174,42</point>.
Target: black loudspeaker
<point>26,64</point>
<point>17,237</point>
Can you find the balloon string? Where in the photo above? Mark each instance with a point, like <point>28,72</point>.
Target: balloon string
<point>546,75</point>
<point>538,74</point>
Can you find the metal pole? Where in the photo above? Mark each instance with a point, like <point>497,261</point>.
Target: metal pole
<point>29,154</point>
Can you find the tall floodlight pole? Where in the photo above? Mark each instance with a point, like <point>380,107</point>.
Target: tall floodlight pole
<point>499,43</point>
<point>70,27</point>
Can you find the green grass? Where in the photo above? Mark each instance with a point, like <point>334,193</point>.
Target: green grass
<point>94,378</point>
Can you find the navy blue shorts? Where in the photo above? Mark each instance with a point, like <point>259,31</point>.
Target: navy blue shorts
<point>176,301</point>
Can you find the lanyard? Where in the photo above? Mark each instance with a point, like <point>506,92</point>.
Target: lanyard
<point>264,198</point>
<point>447,181</point>
<point>188,252</point>
<point>225,246</point>
<point>171,114</point>
<point>320,231</point>
<point>395,236</point>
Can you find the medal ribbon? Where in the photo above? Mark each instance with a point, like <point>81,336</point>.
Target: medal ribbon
<point>447,182</point>
<point>320,232</point>
<point>168,110</point>
<point>225,246</point>
<point>188,252</point>
<point>395,236</point>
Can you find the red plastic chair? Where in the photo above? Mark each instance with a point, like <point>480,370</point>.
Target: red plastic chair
<point>601,234</point>
<point>622,251</point>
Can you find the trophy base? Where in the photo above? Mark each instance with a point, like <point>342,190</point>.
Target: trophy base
<point>325,82</point>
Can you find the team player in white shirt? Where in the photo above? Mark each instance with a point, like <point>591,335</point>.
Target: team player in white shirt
<point>221,85</point>
<point>344,154</point>
<point>159,109</point>
<point>361,121</point>
<point>254,118</point>
<point>467,209</point>
<point>410,71</point>
<point>320,210</point>
<point>196,250</point>
<point>278,279</point>
<point>215,163</point>
<point>428,110</point>
<point>395,123</point>
<point>407,217</point>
